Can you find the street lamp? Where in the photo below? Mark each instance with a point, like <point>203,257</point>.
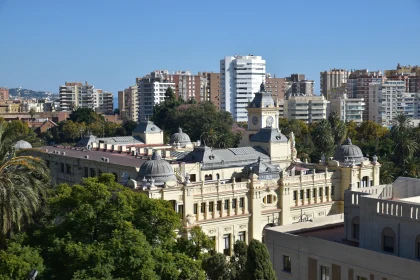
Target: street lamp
<point>32,275</point>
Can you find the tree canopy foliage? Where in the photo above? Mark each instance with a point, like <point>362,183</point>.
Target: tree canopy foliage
<point>201,121</point>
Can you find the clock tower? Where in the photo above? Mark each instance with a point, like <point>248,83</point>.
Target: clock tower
<point>262,112</point>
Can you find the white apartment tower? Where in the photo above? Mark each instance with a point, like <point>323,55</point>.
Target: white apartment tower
<point>389,99</point>
<point>240,79</point>
<point>76,95</point>
<point>306,108</point>
<point>348,109</point>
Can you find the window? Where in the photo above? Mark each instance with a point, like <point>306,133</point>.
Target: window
<point>332,190</point>
<point>241,202</point>
<point>211,206</point>
<point>361,278</point>
<point>301,194</point>
<point>47,163</point>
<point>241,236</point>
<point>226,204</point>
<point>92,172</point>
<point>181,210</point>
<point>314,193</point>
<point>320,192</point>
<point>86,172</point>
<point>192,178</point>
<point>294,195</point>
<point>195,208</point>
<point>325,273</point>
<point>268,199</point>
<point>219,205</point>
<point>355,228</point>
<point>234,203</point>
<point>287,264</point>
<point>203,207</point>
<point>417,247</point>
<point>388,240</point>
<point>226,244</point>
<point>307,193</point>
<point>62,167</point>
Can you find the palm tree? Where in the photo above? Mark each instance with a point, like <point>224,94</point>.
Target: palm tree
<point>323,139</point>
<point>405,147</point>
<point>24,185</point>
<point>401,124</point>
<point>339,129</point>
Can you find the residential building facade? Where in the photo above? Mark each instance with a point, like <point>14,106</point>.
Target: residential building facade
<point>332,79</point>
<point>298,85</point>
<point>4,93</point>
<point>377,237</point>
<point>240,78</point>
<point>276,86</point>
<point>358,86</point>
<point>103,101</point>
<point>128,103</point>
<point>389,99</point>
<point>212,87</point>
<point>76,95</point>
<point>306,108</point>
<point>348,109</point>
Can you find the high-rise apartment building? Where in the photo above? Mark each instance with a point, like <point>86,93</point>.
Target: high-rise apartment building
<point>348,109</point>
<point>4,94</point>
<point>409,74</point>
<point>276,86</point>
<point>389,99</point>
<point>187,85</point>
<point>240,79</point>
<point>104,101</point>
<point>211,87</point>
<point>298,85</point>
<point>334,78</point>
<point>306,108</point>
<point>151,91</point>
<point>128,103</point>
<point>358,86</point>
<point>76,95</point>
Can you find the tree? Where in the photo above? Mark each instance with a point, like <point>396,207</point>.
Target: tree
<point>238,260</point>
<point>195,242</point>
<point>258,265</point>
<point>24,181</point>
<point>338,127</point>
<point>216,267</point>
<point>85,115</point>
<point>32,113</point>
<point>169,95</point>
<point>323,139</point>
<point>70,130</point>
<point>116,111</point>
<point>129,126</point>
<point>17,261</point>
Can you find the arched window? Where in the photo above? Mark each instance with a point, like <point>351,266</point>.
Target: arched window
<point>208,177</point>
<point>388,240</point>
<point>417,247</point>
<point>365,181</point>
<point>217,176</point>
<point>355,228</point>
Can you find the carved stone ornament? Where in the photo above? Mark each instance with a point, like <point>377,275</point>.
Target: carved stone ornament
<point>227,229</point>
<point>211,231</point>
<point>190,219</point>
<point>242,226</point>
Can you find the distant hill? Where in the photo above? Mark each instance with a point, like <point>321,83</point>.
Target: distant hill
<point>28,94</point>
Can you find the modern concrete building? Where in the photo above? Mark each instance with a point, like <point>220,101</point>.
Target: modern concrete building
<point>240,78</point>
<point>212,87</point>
<point>306,108</point>
<point>4,94</point>
<point>76,95</point>
<point>358,86</point>
<point>377,237</point>
<point>234,193</point>
<point>128,103</point>
<point>151,91</point>
<point>276,86</point>
<point>187,85</point>
<point>103,101</point>
<point>348,109</point>
<point>389,99</point>
<point>298,85</point>
<point>332,79</point>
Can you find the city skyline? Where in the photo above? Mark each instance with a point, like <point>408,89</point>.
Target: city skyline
<point>110,55</point>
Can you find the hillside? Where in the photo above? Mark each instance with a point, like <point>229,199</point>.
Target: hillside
<point>28,94</point>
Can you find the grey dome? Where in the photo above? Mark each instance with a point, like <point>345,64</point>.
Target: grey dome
<point>262,99</point>
<point>180,137</point>
<point>347,152</point>
<point>158,169</point>
<point>22,144</point>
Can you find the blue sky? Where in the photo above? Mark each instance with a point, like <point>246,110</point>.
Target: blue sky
<point>109,43</point>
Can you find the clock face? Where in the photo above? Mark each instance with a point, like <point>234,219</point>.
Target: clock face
<point>255,120</point>
<point>269,121</point>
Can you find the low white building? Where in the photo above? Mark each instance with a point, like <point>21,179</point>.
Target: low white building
<point>306,108</point>
<point>349,109</point>
<point>377,237</point>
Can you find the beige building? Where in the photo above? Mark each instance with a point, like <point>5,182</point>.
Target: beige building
<point>128,103</point>
<point>377,237</point>
<point>4,94</point>
<point>348,109</point>
<point>74,95</point>
<point>306,108</point>
<point>233,194</point>
<point>332,79</point>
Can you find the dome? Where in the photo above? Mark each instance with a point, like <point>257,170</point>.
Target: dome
<point>180,137</point>
<point>347,152</point>
<point>22,144</point>
<point>158,169</point>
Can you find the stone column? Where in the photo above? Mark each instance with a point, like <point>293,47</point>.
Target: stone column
<point>237,212</point>
<point>328,193</point>
<point>285,201</point>
<point>305,200</point>
<point>215,214</point>
<point>206,211</point>
<point>245,208</point>
<point>311,195</point>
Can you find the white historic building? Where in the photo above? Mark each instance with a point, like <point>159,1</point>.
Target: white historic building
<point>240,78</point>
<point>377,237</point>
<point>233,194</point>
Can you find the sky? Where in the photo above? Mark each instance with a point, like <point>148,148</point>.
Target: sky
<point>109,43</point>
